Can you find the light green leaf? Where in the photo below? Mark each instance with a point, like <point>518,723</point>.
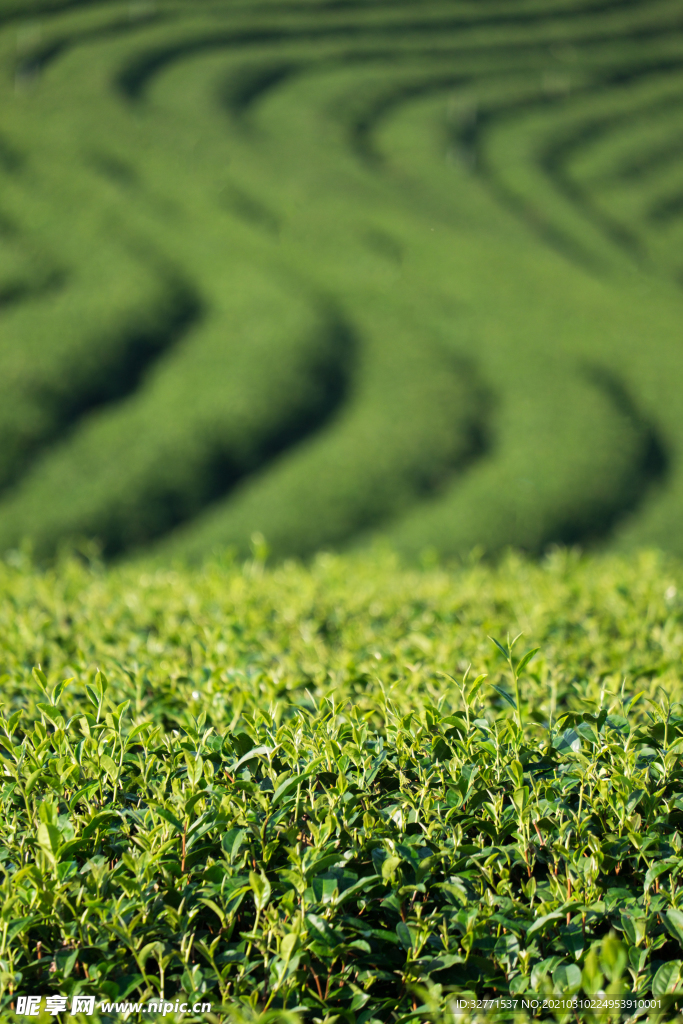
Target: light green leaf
<point>667,979</point>
<point>288,945</point>
<point>656,870</point>
<point>109,766</point>
<point>542,921</point>
<point>567,979</point>
<point>40,678</point>
<point>389,865</point>
<point>290,784</point>
<point>49,838</point>
<point>59,689</point>
<point>475,688</point>
<point>504,695</point>
<point>525,660</point>
<point>168,816</point>
<point>260,887</point>
<point>673,920</point>
<point>216,909</point>
<point>500,647</point>
<point>33,778</point>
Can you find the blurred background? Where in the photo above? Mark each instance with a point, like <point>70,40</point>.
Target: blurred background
<point>332,270</point>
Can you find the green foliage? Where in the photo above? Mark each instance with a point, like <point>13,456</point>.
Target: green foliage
<point>288,792</point>
<point>319,270</point>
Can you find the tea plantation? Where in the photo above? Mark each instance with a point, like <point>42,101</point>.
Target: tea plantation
<point>322,269</point>
<point>324,794</point>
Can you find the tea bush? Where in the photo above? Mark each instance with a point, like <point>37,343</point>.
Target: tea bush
<point>326,793</point>
<point>327,269</point>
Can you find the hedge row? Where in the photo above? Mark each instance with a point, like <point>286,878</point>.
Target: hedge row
<point>320,271</point>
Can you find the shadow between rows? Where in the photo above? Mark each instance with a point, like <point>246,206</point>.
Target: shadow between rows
<point>109,379</point>
<point>651,469</point>
<point>33,64</point>
<point>11,160</point>
<point>552,163</point>
<point>42,9</point>
<point>640,167</point>
<point>469,139</point>
<point>256,83</point>
<point>555,158</point>
<point>28,9</point>
<point>330,374</point>
<point>133,81</point>
<point>14,292</point>
<point>666,208</point>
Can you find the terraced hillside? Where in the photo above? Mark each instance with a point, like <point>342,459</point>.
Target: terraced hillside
<point>321,268</point>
